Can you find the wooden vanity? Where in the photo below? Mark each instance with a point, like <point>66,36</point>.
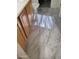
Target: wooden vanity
<point>24,18</point>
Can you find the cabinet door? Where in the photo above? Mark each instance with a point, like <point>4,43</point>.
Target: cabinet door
<point>20,38</point>
<point>25,21</point>
<point>29,11</point>
<point>21,29</point>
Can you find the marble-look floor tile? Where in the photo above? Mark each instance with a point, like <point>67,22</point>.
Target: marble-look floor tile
<point>43,43</point>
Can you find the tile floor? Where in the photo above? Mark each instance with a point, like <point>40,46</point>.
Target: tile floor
<point>43,43</point>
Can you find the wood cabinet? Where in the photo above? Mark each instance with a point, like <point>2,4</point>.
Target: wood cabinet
<point>29,11</point>
<point>20,38</point>
<point>24,24</point>
<point>25,21</point>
